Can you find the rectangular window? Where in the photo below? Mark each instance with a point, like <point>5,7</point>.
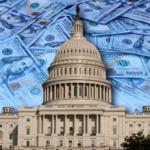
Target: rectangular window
<point>28,143</point>
<point>97,72</point>
<point>49,119</point>
<point>28,119</point>
<point>1,135</point>
<point>69,70</point>
<point>28,131</point>
<point>62,130</point>
<point>93,119</point>
<point>80,119</point>
<point>10,136</point>
<point>10,146</point>
<point>1,125</point>
<point>80,91</point>
<point>86,91</point>
<point>114,131</point>
<point>49,130</point>
<point>91,92</point>
<point>61,143</point>
<point>92,143</point>
<point>75,90</point>
<point>62,119</point>
<point>57,72</point>
<point>93,130</point>
<point>131,125</point>
<point>11,125</point>
<point>71,119</point>
<point>79,143</point>
<point>61,71</point>
<point>139,125</point>
<point>114,143</point>
<point>114,119</point>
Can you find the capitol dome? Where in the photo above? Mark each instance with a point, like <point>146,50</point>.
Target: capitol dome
<point>77,75</point>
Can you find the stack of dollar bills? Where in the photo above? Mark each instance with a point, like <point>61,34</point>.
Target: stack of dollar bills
<point>31,31</point>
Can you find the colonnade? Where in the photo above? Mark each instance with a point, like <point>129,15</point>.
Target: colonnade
<point>78,91</point>
<point>99,127</point>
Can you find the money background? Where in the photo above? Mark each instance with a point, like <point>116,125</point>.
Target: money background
<point>31,31</point>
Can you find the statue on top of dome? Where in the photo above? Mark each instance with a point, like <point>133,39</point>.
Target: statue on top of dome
<point>77,18</point>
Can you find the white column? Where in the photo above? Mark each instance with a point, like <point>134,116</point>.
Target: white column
<point>95,92</point>
<point>89,91</point>
<point>51,92</point>
<point>55,92</point>
<point>109,95</point>
<point>74,124</point>
<point>66,91</point>
<point>65,125</point>
<point>72,91</point>
<point>102,124</point>
<point>123,123</point>
<point>87,124</point>
<point>104,93</point>
<point>52,124</point>
<point>45,94</point>
<point>56,125</point>
<point>84,124</point>
<point>44,124</point>
<point>59,91</point>
<point>39,124</point>
<point>96,123</point>
<point>120,124</point>
<point>83,90</point>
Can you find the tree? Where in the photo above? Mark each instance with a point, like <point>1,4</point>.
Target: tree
<point>137,141</point>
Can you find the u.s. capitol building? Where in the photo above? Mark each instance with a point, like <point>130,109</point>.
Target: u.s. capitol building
<point>77,109</point>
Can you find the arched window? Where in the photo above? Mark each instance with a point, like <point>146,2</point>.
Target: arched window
<point>61,71</point>
<point>75,70</point>
<point>89,71</point>
<point>65,71</point>
<point>80,130</point>
<point>57,72</point>
<point>84,70</point>
<point>80,70</point>
<point>1,135</point>
<point>49,130</point>
<point>114,131</point>
<point>97,72</point>
<point>69,70</point>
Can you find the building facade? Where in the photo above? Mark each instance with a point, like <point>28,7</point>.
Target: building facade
<point>77,109</point>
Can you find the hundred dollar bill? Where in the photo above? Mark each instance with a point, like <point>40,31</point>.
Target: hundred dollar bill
<point>21,74</point>
<point>142,85</point>
<point>131,43</point>
<point>44,56</point>
<point>21,16</point>
<point>131,91</point>
<point>122,9</point>
<point>124,65</point>
<point>56,9</point>
<point>6,5</point>
<point>142,10</point>
<point>95,10</point>
<point>73,2</point>
<point>124,98</point>
<point>102,43</point>
<point>114,27</point>
<point>52,38</point>
<point>35,30</point>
